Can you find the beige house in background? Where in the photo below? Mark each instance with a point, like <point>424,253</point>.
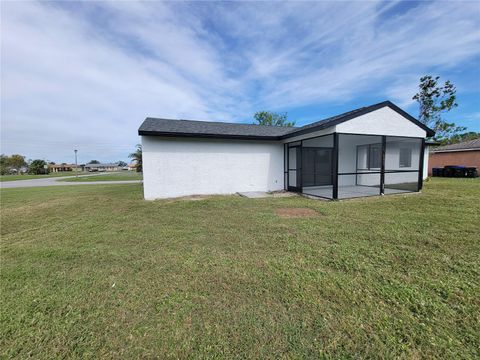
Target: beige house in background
<point>60,167</point>
<point>102,167</point>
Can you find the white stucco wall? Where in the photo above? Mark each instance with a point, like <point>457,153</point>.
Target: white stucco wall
<point>175,167</point>
<point>384,121</point>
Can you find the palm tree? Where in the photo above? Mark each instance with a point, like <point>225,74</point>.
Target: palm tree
<point>137,157</point>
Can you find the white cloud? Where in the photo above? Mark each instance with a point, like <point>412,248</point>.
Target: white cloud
<point>86,74</point>
<point>63,88</point>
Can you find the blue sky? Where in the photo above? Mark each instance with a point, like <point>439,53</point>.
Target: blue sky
<point>85,75</point>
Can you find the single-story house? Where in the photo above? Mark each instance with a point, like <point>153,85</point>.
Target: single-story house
<point>462,154</point>
<point>102,167</point>
<point>60,167</point>
<point>374,150</point>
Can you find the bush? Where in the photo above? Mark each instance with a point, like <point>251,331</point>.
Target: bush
<point>37,167</point>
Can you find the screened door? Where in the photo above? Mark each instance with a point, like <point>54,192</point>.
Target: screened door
<point>294,167</point>
<point>316,166</point>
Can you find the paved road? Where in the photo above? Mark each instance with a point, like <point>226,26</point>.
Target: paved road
<point>53,181</point>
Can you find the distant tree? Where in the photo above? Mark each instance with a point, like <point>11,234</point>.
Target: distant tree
<point>137,157</point>
<point>272,119</point>
<point>37,167</point>
<point>17,161</point>
<point>4,164</point>
<point>458,138</point>
<point>8,163</point>
<point>93,162</point>
<point>122,163</point>
<point>434,100</point>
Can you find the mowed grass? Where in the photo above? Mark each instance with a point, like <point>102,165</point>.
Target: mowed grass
<point>96,272</point>
<point>30,177</point>
<point>117,176</point>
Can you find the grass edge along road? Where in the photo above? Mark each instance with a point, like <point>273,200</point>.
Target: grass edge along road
<point>83,176</point>
<point>114,176</point>
<point>31,177</point>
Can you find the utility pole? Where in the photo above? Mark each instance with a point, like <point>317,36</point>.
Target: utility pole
<point>76,166</point>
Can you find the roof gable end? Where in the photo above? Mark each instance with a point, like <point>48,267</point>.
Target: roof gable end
<point>339,119</point>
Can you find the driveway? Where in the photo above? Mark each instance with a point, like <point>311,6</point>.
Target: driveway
<point>54,181</point>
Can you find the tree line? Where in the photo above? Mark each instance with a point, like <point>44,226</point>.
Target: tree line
<point>16,164</point>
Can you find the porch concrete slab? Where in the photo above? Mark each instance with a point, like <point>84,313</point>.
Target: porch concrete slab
<point>283,193</point>
<point>254,194</point>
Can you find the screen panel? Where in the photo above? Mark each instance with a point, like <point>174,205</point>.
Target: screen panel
<point>294,164</point>
<point>359,153</point>
<point>402,154</point>
<point>402,164</point>
<point>317,166</point>
<point>400,182</point>
<point>358,185</point>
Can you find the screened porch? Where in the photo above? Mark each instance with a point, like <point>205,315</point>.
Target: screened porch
<point>342,166</point>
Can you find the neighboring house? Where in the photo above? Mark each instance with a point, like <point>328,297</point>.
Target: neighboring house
<point>132,167</point>
<point>60,167</point>
<point>379,149</point>
<point>462,154</point>
<point>102,167</point>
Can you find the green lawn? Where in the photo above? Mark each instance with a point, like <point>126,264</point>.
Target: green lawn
<point>96,272</point>
<point>29,177</point>
<point>119,176</point>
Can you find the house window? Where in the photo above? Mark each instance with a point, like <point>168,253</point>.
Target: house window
<point>405,157</point>
<point>375,156</point>
<point>369,157</point>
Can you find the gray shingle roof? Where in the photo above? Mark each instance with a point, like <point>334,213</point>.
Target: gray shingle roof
<point>169,127</point>
<point>466,145</point>
<point>155,126</point>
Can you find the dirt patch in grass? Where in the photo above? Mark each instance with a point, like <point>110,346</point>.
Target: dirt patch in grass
<point>186,198</point>
<point>296,212</point>
<point>194,197</point>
